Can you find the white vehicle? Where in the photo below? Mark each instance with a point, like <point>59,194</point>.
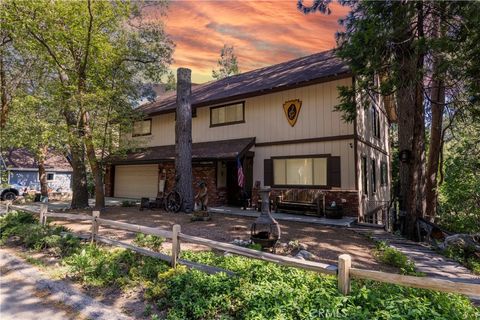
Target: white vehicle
<point>11,192</point>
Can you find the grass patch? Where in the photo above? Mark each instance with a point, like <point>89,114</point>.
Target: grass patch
<point>260,290</point>
<point>35,262</point>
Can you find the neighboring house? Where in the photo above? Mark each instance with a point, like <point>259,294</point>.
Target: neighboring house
<point>281,122</point>
<point>22,170</point>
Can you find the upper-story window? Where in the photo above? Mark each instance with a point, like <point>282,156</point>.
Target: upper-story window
<point>227,114</point>
<point>375,122</point>
<point>142,128</point>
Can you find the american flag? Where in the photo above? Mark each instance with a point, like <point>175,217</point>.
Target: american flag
<point>241,176</point>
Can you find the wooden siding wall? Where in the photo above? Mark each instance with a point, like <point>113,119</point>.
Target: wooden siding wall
<point>372,147</point>
<point>265,118</point>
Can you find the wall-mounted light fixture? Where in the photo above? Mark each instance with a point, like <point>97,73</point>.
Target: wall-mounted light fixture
<point>405,156</point>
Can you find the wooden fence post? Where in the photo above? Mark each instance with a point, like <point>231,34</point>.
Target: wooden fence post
<point>175,245</point>
<point>344,265</point>
<point>43,211</point>
<point>95,226</point>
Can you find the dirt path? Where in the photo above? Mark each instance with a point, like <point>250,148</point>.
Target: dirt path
<point>27,293</point>
<point>21,300</point>
<point>327,243</point>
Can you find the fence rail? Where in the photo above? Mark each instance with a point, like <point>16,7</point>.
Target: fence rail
<point>343,271</point>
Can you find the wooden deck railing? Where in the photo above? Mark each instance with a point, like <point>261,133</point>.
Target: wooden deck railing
<point>343,271</point>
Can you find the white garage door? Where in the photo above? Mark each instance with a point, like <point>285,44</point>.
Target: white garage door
<point>136,181</point>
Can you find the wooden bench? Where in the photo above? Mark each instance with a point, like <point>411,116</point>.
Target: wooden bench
<point>303,200</point>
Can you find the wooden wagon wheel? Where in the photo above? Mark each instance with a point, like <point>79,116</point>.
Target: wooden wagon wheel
<point>173,202</point>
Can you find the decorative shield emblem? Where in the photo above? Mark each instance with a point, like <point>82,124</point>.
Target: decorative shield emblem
<point>292,109</point>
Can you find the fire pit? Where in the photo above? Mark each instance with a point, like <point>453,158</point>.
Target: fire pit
<point>265,230</point>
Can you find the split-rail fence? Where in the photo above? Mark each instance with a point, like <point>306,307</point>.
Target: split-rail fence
<point>343,271</point>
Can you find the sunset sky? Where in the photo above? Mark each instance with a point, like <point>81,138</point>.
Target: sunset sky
<point>262,32</point>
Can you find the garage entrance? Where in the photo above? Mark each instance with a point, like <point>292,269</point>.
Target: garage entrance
<point>136,181</point>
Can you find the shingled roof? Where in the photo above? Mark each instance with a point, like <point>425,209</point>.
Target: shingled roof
<point>22,159</point>
<point>225,149</point>
<point>316,68</point>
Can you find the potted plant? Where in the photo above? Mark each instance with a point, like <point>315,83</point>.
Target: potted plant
<point>334,211</point>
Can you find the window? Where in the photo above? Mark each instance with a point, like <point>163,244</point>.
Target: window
<point>50,176</point>
<point>142,128</point>
<point>383,174</point>
<point>227,114</point>
<point>374,177</point>
<point>364,175</point>
<point>300,171</point>
<point>375,122</point>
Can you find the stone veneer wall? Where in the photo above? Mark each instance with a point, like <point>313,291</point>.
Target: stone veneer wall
<point>350,207</point>
<point>108,181</point>
<point>205,172</point>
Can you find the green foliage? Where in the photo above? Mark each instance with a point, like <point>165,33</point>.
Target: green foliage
<point>227,64</point>
<point>259,290</point>
<point>89,62</point>
<point>28,232</point>
<point>466,256</point>
<point>149,241</point>
<point>460,193</point>
<point>14,219</point>
<point>391,256</point>
<point>255,246</point>
<point>128,203</point>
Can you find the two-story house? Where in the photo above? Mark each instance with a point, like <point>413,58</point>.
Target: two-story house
<point>280,121</point>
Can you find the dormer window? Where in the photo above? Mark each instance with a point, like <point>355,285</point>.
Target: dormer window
<point>142,128</point>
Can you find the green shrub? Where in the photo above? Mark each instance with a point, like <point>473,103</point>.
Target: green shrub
<point>151,242</point>
<point>255,246</point>
<point>262,290</point>
<point>128,203</point>
<point>29,233</point>
<point>395,258</point>
<point>13,220</point>
<point>465,256</point>
<point>259,290</point>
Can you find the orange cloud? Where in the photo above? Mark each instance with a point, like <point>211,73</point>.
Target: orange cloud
<point>262,32</point>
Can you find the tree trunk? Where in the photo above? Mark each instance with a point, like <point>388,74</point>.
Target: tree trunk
<point>42,174</point>
<point>79,176</point>
<point>95,166</point>
<point>183,139</point>
<point>411,126</point>
<point>3,93</point>
<point>437,98</point>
